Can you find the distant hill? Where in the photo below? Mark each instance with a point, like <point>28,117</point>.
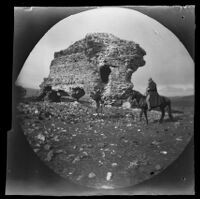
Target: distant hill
<point>183,101</point>
<point>31,92</point>
<point>186,98</point>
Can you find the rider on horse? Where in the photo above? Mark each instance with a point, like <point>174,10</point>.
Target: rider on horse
<point>152,97</point>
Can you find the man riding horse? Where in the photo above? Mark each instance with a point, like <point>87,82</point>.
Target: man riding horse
<point>152,97</point>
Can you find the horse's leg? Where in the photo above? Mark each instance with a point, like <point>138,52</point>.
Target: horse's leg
<point>145,114</point>
<point>101,107</point>
<point>97,106</point>
<point>163,114</point>
<point>141,113</point>
<point>170,112</point>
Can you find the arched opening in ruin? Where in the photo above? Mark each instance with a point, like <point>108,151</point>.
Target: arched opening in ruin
<point>104,73</point>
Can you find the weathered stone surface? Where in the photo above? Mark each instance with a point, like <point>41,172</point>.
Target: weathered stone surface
<point>100,59</point>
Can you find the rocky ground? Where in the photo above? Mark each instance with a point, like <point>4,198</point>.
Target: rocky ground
<point>108,150</point>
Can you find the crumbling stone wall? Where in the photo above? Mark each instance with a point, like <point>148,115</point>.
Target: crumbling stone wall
<point>80,65</point>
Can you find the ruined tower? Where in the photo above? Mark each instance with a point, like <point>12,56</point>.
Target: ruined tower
<point>98,59</point>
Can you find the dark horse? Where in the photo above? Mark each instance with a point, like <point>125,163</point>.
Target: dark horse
<point>142,104</point>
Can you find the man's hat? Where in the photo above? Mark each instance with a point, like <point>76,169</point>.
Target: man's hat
<point>150,79</point>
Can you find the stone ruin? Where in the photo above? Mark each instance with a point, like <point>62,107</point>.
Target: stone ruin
<point>99,60</point>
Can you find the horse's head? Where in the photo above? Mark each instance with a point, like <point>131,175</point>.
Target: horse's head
<point>134,94</point>
<point>47,88</point>
<point>131,94</point>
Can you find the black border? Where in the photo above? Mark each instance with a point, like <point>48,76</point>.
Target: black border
<point>9,62</point>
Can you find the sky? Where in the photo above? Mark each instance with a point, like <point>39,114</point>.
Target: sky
<point>167,60</point>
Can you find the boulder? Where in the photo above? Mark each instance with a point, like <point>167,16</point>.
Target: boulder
<point>48,94</point>
<point>77,93</point>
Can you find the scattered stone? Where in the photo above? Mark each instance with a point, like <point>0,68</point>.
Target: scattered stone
<point>84,154</point>
<point>77,159</point>
<point>163,152</point>
<point>177,123</point>
<point>155,142</point>
<point>41,137</point>
<point>36,150</point>
<point>49,156</point>
<point>102,145</point>
<point>70,156</point>
<point>60,151</point>
<point>100,163</point>
<point>91,175</point>
<point>74,147</point>
<point>126,105</point>
<point>134,163</point>
<point>81,149</point>
<point>53,125</point>
<point>157,167</point>
<point>71,172</point>
<point>90,146</point>
<point>37,145</point>
<point>119,156</point>
<point>79,177</point>
<point>113,152</point>
<point>108,176</point>
<point>113,144</point>
<point>47,147</point>
<point>56,138</point>
<point>36,111</point>
<point>114,164</point>
<point>179,139</point>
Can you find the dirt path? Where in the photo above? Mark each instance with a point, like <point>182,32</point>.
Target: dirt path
<point>110,150</point>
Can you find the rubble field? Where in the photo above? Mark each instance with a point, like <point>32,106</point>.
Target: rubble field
<point>109,150</point>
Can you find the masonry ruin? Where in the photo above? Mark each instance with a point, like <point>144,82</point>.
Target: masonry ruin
<point>99,59</point>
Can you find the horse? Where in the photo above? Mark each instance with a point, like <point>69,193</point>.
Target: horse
<point>142,104</point>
